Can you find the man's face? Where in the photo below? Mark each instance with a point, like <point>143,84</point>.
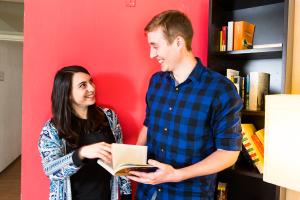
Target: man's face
<point>166,54</point>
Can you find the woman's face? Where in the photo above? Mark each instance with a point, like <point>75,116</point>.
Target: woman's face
<point>83,91</point>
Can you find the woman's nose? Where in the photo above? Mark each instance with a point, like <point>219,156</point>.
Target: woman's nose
<point>91,87</point>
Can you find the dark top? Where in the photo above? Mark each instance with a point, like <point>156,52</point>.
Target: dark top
<point>91,182</point>
<point>188,122</point>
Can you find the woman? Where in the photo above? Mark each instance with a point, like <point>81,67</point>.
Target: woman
<point>78,134</point>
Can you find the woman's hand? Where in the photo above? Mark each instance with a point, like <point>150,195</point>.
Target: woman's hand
<point>100,150</point>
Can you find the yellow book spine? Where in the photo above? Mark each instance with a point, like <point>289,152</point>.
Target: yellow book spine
<point>261,135</point>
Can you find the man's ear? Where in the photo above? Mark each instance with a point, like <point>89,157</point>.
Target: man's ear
<point>180,41</point>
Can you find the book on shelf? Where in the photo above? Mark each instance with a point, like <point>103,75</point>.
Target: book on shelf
<point>230,25</point>
<point>126,158</point>
<point>243,89</point>
<point>247,91</point>
<point>261,135</point>
<point>243,35</point>
<point>223,38</point>
<point>261,46</point>
<point>247,131</point>
<point>222,191</point>
<point>259,87</point>
<point>238,81</point>
<point>230,73</point>
<point>258,144</point>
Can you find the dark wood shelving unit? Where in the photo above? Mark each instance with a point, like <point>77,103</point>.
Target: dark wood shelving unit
<point>235,5</point>
<point>271,19</point>
<point>244,171</point>
<point>260,53</point>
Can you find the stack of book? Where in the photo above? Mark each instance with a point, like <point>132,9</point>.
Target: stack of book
<point>239,35</point>
<point>252,88</point>
<point>253,142</point>
<point>236,36</point>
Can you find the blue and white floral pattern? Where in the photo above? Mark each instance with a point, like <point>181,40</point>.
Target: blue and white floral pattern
<point>59,166</point>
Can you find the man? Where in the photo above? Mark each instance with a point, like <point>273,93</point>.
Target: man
<point>192,126</point>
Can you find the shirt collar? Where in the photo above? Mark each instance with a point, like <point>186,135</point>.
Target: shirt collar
<point>195,75</point>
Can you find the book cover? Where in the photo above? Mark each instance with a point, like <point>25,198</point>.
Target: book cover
<point>261,135</point>
<point>242,89</point>
<point>247,90</point>
<point>222,191</point>
<point>243,35</point>
<point>259,87</point>
<point>126,158</point>
<point>221,39</point>
<point>230,73</point>
<point>224,38</point>
<point>258,144</point>
<point>237,83</point>
<point>230,36</point>
<point>247,131</point>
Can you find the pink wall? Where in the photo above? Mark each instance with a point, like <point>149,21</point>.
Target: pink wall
<point>104,36</point>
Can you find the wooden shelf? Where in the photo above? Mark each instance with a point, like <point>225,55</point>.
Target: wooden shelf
<point>261,53</point>
<point>235,5</point>
<point>241,170</point>
<point>253,113</point>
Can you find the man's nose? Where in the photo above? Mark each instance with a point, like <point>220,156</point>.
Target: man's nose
<point>153,53</point>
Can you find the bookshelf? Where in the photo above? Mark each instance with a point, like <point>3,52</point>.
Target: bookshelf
<point>263,53</point>
<point>271,20</point>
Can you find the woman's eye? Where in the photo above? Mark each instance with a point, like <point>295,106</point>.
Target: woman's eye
<point>83,85</point>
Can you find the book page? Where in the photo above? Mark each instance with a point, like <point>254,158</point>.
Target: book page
<point>125,169</point>
<point>128,154</point>
<point>106,166</point>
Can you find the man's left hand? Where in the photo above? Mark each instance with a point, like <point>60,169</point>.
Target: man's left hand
<point>164,173</point>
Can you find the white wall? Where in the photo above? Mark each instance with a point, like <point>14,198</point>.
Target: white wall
<point>290,194</point>
<point>11,17</point>
<point>10,102</point>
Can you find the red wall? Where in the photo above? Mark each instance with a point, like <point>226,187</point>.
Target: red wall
<point>107,38</point>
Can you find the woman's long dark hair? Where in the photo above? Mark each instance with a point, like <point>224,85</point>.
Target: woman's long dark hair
<point>62,111</point>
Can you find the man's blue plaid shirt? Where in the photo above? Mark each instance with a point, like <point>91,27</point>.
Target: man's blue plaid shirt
<point>188,122</point>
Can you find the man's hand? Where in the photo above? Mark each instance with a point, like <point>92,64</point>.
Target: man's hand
<point>164,173</point>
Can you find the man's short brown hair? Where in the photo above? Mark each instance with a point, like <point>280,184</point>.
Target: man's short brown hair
<point>173,23</point>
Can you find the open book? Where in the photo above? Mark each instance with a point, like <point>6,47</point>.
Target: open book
<point>127,158</point>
